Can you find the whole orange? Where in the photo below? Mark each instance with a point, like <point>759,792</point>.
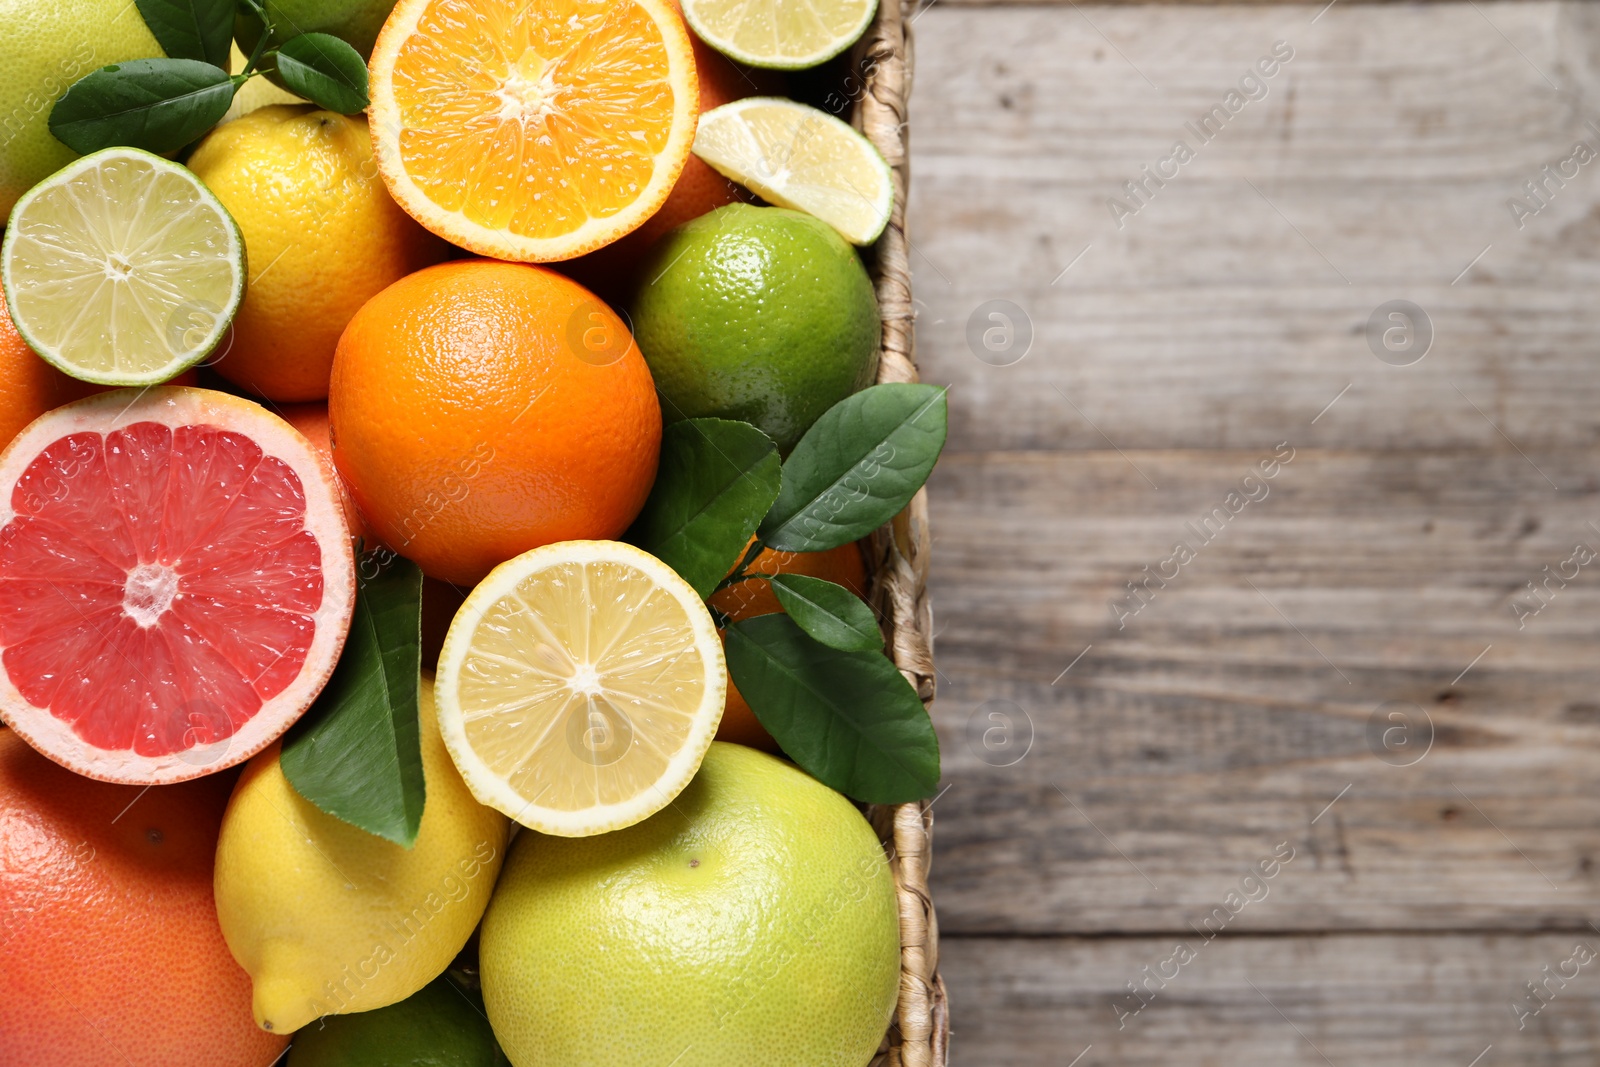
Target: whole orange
<point>745,600</point>
<point>480,409</point>
<point>112,950</point>
<point>29,386</point>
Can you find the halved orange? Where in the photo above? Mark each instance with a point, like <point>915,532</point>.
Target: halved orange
<point>532,131</point>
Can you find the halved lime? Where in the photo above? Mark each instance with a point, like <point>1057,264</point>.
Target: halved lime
<point>121,268</point>
<point>780,34</point>
<point>798,157</point>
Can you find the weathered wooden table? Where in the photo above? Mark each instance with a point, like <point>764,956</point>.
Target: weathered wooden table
<point>1322,784</point>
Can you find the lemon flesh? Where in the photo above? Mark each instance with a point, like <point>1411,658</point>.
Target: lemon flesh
<point>122,268</point>
<point>579,687</point>
<point>752,922</point>
<point>797,157</point>
<point>780,34</point>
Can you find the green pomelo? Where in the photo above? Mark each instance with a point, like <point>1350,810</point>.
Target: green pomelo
<point>752,921</point>
<point>44,48</point>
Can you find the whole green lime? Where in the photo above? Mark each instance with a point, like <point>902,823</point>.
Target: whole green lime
<point>440,1025</point>
<point>756,313</point>
<point>753,921</point>
<point>356,22</point>
<point>44,48</point>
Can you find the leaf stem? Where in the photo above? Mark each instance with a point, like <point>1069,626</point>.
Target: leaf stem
<point>261,42</point>
<point>739,575</point>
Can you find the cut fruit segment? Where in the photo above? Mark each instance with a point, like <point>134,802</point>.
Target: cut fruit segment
<point>176,583</point>
<point>780,34</point>
<point>797,157</point>
<point>580,686</point>
<point>532,134</point>
<point>122,269</point>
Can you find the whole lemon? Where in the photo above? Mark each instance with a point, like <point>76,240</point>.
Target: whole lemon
<point>44,48</point>
<point>322,235</point>
<point>755,313</point>
<point>752,921</point>
<point>330,919</point>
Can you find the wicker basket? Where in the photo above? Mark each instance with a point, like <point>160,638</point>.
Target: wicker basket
<point>919,1034</point>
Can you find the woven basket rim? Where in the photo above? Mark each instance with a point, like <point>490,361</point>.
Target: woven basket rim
<point>882,73</point>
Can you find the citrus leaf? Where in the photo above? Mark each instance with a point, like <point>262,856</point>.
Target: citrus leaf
<point>850,719</point>
<point>159,105</point>
<point>717,478</point>
<point>830,613</point>
<point>857,467</point>
<point>191,29</point>
<point>325,70</point>
<point>357,754</point>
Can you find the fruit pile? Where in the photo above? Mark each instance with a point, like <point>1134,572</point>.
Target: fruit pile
<point>439,439</point>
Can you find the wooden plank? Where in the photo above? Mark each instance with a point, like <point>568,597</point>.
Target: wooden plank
<point>1234,303</point>
<point>1377,1001</point>
<point>1232,708</point>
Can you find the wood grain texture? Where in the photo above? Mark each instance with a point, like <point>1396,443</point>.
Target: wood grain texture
<point>1234,705</point>
<point>1384,153</point>
<point>1245,706</point>
<point>1368,1000</point>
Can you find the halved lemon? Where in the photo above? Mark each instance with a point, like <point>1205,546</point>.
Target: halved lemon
<point>532,132</point>
<point>122,268</point>
<point>780,34</point>
<point>580,686</point>
<point>798,157</point>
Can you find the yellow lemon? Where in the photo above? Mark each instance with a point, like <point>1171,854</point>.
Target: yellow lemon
<point>330,919</point>
<point>322,233</point>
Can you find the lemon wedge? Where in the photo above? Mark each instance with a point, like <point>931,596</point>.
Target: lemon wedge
<point>797,157</point>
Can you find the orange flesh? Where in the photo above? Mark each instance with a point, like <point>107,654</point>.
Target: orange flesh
<point>533,118</point>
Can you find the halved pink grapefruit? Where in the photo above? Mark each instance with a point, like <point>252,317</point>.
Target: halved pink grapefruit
<point>176,583</point>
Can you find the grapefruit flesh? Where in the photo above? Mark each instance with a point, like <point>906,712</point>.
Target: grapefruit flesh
<point>176,582</point>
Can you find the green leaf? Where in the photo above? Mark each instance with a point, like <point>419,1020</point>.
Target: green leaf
<point>357,754</point>
<point>830,613</point>
<point>716,479</point>
<point>191,29</point>
<point>849,718</point>
<point>857,467</point>
<point>325,70</point>
<point>159,105</point>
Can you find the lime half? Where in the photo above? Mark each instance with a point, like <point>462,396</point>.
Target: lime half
<point>122,269</point>
<point>801,158</point>
<point>780,34</point>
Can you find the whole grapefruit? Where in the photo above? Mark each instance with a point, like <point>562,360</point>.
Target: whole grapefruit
<point>112,950</point>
